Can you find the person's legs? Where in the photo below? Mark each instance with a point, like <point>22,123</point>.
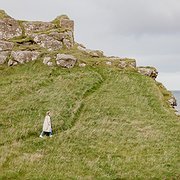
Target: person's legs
<point>42,134</point>
<point>50,133</point>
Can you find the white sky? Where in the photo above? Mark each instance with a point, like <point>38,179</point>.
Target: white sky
<point>147,30</point>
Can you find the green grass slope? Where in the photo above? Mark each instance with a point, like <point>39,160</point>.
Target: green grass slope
<point>108,124</point>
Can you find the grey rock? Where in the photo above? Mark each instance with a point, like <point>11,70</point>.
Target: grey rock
<point>6,46</point>
<point>109,63</point>
<point>24,56</point>
<point>172,101</point>
<point>57,36</point>
<point>50,63</point>
<point>127,63</point>
<point>12,63</point>
<point>67,24</point>
<point>82,64</point>
<point>68,40</point>
<point>3,56</point>
<point>32,27</point>
<point>64,60</point>
<point>148,71</point>
<point>47,61</point>
<point>9,28</point>
<point>47,42</point>
<point>92,53</point>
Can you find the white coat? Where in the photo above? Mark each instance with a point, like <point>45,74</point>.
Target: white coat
<point>47,124</point>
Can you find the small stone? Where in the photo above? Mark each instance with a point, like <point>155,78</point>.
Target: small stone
<point>82,64</point>
<point>46,60</point>
<point>10,62</point>
<point>50,63</point>
<point>109,63</point>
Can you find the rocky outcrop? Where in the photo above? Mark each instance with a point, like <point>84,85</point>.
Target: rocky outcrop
<point>10,28</point>
<point>66,61</point>
<point>148,71</point>
<point>19,38</point>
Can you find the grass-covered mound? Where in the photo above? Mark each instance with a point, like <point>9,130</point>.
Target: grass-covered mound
<point>108,123</point>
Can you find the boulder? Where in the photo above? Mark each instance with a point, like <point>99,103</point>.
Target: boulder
<point>47,42</point>
<point>32,27</point>
<point>6,46</point>
<point>65,60</point>
<point>24,56</point>
<point>3,56</point>
<point>148,71</point>
<point>9,27</point>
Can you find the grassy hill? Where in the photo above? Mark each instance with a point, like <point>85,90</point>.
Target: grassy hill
<point>108,123</point>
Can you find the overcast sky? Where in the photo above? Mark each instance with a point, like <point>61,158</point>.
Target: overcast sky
<point>147,30</point>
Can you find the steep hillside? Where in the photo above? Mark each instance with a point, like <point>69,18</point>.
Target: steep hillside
<point>109,120</point>
<point>108,123</point>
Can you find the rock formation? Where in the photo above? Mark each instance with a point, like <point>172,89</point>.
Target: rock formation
<point>23,41</point>
<point>148,71</point>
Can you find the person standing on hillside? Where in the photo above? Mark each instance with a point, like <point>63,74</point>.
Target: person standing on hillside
<point>47,128</point>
